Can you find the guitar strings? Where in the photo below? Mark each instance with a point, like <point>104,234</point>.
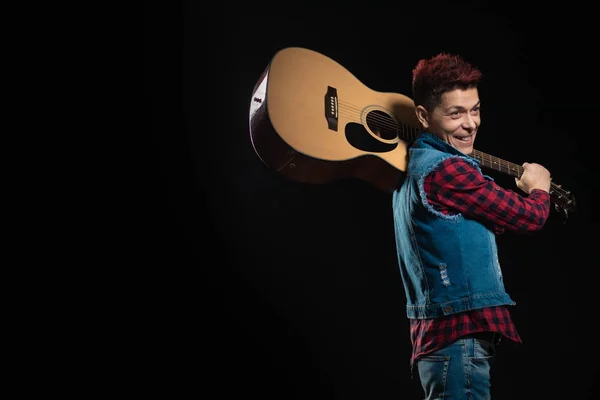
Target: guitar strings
<point>353,112</point>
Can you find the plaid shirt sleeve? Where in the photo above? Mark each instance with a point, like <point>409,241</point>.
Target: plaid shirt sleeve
<point>455,186</point>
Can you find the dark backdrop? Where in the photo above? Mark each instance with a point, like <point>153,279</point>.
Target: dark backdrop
<point>259,286</point>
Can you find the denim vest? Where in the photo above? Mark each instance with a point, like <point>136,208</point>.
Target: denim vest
<point>448,263</point>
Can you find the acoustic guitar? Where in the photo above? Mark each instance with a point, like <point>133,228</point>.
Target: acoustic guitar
<point>312,121</point>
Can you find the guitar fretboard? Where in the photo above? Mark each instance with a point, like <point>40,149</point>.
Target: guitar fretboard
<point>497,163</point>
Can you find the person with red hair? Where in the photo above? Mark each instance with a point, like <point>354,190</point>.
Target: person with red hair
<point>446,216</point>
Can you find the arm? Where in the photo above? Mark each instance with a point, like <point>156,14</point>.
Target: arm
<point>455,186</point>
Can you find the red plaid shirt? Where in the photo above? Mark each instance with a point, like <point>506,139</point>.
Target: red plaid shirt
<point>456,186</point>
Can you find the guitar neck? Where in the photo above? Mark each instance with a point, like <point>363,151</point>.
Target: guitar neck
<point>498,164</point>
<point>558,195</point>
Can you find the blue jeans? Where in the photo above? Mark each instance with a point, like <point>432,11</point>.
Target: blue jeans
<point>460,371</point>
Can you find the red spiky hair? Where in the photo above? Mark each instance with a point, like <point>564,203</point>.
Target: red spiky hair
<point>441,73</point>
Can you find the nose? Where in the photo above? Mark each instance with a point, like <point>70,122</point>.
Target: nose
<point>469,122</point>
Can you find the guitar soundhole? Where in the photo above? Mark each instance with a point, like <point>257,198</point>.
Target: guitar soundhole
<point>382,125</point>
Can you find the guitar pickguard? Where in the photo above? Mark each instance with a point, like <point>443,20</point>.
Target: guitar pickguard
<point>358,136</point>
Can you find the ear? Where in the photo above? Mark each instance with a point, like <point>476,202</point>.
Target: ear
<point>422,116</point>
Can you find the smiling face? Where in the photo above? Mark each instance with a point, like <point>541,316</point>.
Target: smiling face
<point>455,120</point>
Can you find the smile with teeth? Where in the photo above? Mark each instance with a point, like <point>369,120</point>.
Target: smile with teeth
<point>463,139</point>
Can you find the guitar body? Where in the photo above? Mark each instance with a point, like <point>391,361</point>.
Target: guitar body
<point>312,121</point>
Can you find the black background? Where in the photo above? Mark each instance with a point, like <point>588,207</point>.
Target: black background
<point>259,286</point>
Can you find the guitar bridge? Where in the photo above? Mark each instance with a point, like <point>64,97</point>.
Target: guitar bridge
<point>331,108</point>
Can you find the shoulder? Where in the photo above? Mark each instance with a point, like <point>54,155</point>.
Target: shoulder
<point>457,165</point>
<point>457,171</point>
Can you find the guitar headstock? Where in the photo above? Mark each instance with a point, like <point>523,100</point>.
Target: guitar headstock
<point>562,199</point>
